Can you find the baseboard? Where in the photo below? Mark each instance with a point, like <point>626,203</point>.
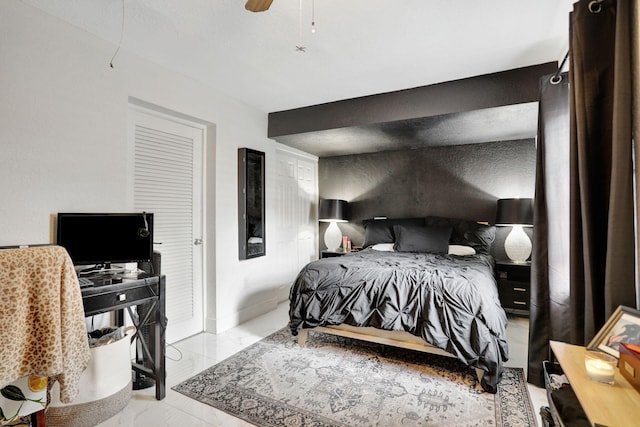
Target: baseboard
<point>221,324</point>
<point>282,293</point>
<point>210,324</point>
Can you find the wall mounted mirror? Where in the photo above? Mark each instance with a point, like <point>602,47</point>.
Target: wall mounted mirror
<point>251,222</point>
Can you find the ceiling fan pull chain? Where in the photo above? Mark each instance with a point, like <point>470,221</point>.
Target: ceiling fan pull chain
<point>300,47</point>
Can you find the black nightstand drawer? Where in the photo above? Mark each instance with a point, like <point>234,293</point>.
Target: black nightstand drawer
<point>514,295</point>
<point>514,287</point>
<point>513,272</point>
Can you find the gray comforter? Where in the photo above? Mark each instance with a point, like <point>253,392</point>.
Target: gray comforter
<point>449,301</point>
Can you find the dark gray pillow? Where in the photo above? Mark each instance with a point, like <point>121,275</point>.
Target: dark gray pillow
<point>422,239</point>
<point>481,238</point>
<point>381,230</point>
<point>466,232</point>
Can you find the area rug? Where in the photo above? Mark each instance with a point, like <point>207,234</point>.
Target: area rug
<point>336,381</point>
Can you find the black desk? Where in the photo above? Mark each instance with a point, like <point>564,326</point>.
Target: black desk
<point>147,294</point>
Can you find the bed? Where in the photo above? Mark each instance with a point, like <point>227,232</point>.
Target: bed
<point>420,283</point>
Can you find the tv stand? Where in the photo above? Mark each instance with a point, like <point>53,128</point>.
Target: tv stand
<point>147,293</point>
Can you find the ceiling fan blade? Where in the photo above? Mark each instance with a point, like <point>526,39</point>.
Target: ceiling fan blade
<point>258,5</point>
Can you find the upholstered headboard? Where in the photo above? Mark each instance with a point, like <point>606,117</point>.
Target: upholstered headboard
<point>463,232</point>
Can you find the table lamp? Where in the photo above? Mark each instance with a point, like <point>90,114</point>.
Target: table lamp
<point>333,211</point>
<point>516,213</point>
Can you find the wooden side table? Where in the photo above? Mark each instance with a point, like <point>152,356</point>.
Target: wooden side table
<point>605,405</point>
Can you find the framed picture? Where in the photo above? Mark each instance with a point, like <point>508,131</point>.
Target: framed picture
<point>622,326</point>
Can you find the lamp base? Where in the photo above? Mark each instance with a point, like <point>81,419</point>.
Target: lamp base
<point>517,245</point>
<point>333,237</point>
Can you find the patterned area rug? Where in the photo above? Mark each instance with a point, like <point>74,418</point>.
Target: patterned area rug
<point>335,381</point>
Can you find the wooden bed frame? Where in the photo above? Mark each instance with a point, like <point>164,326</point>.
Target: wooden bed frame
<point>394,338</point>
<point>400,339</point>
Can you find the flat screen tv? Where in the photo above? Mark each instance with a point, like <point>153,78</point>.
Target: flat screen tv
<point>105,238</point>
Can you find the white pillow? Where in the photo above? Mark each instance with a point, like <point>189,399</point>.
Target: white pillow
<point>461,250</point>
<point>383,247</point>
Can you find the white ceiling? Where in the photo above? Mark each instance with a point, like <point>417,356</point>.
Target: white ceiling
<point>361,47</point>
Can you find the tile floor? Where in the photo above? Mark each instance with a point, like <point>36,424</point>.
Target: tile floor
<point>192,355</point>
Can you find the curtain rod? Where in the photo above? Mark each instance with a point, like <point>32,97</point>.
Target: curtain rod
<point>594,7</point>
<point>555,79</point>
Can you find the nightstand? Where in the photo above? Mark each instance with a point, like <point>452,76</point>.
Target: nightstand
<point>330,254</point>
<point>514,286</point>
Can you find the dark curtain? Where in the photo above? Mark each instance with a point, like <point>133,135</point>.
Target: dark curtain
<point>602,203</point>
<point>549,305</point>
<point>601,251</point>
<point>635,124</point>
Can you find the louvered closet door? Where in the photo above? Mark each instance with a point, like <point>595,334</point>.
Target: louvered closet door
<point>168,182</point>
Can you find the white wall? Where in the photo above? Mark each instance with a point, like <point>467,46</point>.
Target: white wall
<point>63,147</point>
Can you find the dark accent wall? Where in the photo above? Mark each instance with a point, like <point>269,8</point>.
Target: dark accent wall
<point>456,181</point>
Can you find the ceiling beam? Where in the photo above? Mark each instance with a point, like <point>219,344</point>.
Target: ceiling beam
<point>510,87</point>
